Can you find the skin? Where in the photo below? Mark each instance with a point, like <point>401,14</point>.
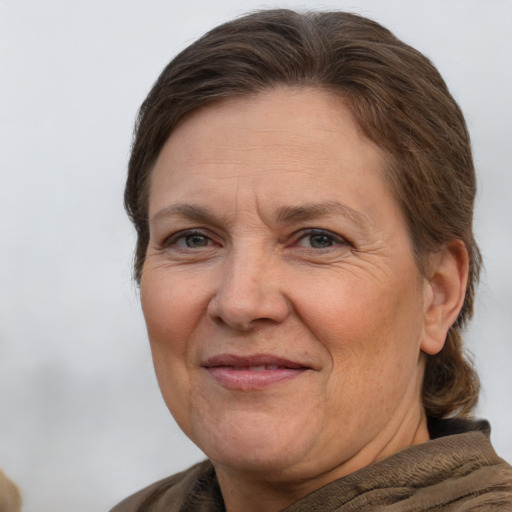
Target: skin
<point>273,232</point>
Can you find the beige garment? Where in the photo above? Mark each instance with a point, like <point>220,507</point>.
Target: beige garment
<point>10,497</point>
<point>458,471</point>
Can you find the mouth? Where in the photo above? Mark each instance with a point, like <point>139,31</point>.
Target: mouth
<point>252,372</point>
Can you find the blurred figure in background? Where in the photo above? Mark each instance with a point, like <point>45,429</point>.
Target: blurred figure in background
<point>10,497</point>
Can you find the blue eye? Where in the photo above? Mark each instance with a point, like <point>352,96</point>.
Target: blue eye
<point>196,240</point>
<point>189,240</point>
<point>318,239</point>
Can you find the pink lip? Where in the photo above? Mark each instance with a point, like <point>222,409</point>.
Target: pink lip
<point>252,372</point>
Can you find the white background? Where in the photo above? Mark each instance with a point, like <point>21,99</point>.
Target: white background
<point>82,423</point>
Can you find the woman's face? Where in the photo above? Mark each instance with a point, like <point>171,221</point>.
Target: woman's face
<point>282,299</point>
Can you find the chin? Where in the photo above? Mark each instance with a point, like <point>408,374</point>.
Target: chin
<point>258,443</point>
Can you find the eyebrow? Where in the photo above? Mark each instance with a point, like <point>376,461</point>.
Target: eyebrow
<point>197,213</point>
<point>315,210</point>
<point>284,214</point>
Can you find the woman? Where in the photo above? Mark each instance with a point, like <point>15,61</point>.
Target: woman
<point>302,189</point>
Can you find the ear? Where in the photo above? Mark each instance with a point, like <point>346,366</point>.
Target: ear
<point>444,294</point>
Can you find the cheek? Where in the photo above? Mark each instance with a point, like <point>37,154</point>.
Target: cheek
<point>171,313</point>
<point>374,350</point>
<point>172,306</point>
<point>368,327</point>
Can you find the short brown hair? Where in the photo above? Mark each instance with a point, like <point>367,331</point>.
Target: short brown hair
<point>399,101</point>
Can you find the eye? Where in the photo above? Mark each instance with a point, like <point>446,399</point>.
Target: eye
<point>189,240</point>
<point>320,239</point>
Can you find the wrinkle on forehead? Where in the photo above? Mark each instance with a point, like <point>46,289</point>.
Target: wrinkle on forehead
<point>259,150</point>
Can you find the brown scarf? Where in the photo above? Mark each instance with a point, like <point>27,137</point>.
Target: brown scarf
<point>457,471</point>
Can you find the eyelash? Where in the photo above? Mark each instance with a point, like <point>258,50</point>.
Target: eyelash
<point>335,239</point>
<point>302,235</point>
<point>173,239</point>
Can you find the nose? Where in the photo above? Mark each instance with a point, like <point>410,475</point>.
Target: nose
<point>250,292</point>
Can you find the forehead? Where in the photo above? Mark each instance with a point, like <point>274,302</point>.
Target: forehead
<point>287,136</point>
<point>298,112</point>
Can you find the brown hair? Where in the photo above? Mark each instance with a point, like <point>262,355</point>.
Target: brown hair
<point>400,102</point>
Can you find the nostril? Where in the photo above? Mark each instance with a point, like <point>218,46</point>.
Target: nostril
<point>233,312</point>
<point>249,290</point>
<point>246,311</point>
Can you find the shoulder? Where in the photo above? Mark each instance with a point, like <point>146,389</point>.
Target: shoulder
<point>197,483</point>
<point>456,471</point>
<point>462,470</point>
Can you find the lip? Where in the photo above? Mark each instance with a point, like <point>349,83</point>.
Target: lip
<point>253,372</point>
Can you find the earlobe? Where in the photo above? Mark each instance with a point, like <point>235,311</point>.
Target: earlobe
<point>444,294</point>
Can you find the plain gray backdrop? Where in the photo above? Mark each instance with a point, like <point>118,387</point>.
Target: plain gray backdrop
<point>82,423</point>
